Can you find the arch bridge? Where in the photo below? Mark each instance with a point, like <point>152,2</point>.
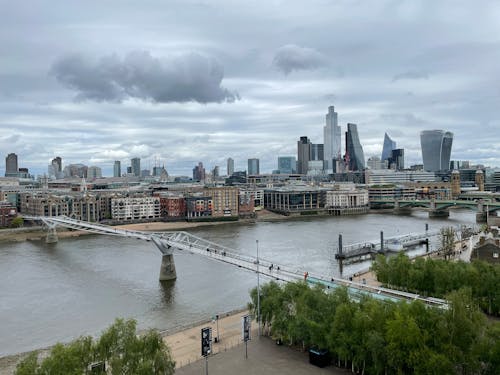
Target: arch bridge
<point>439,208</point>
<point>167,242</point>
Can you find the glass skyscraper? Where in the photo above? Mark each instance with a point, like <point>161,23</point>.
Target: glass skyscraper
<point>355,158</point>
<point>331,138</point>
<point>287,164</point>
<point>117,169</point>
<point>436,149</point>
<point>389,145</point>
<point>136,166</point>
<point>230,166</point>
<point>253,166</point>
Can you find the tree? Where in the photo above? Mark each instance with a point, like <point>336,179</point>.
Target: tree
<point>17,222</point>
<point>119,347</point>
<point>447,241</point>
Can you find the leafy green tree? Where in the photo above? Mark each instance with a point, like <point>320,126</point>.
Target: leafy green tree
<point>119,347</point>
<point>17,222</point>
<point>447,241</point>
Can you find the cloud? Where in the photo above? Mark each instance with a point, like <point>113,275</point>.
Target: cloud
<point>412,74</point>
<point>292,57</point>
<point>183,78</point>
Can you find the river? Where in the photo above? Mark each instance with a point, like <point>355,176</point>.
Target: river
<point>56,292</point>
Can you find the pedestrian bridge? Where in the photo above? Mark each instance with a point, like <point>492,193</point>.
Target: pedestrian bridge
<point>167,242</point>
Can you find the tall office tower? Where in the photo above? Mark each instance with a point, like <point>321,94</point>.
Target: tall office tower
<point>11,168</point>
<point>136,166</point>
<point>331,138</point>
<point>117,169</point>
<point>389,145</point>
<point>286,164</point>
<point>355,157</point>
<point>436,149</point>
<point>230,166</point>
<point>215,172</point>
<point>317,152</point>
<point>303,154</point>
<point>57,163</point>
<point>253,166</point>
<point>199,172</point>
<point>397,159</point>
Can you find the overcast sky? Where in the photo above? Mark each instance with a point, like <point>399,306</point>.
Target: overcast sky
<point>187,81</point>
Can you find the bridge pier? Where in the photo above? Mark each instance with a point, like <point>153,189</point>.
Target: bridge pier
<point>439,213</point>
<point>51,235</point>
<point>401,210</point>
<point>167,269</point>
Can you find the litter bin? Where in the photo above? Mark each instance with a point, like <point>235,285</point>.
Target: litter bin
<point>319,357</point>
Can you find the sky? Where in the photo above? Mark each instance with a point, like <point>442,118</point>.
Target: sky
<point>178,82</point>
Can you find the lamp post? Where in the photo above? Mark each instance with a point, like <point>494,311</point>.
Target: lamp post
<point>258,288</point>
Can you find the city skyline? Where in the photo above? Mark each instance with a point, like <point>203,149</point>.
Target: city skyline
<point>242,94</point>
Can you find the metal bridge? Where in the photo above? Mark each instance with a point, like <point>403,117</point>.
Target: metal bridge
<point>183,241</point>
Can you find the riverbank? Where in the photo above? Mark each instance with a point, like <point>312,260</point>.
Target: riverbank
<point>184,342</point>
<point>38,233</point>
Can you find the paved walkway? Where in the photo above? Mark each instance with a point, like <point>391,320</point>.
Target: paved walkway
<point>264,357</point>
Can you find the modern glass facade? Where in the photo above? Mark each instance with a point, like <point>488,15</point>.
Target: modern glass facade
<point>355,158</point>
<point>286,164</point>
<point>136,166</point>
<point>253,166</point>
<point>11,168</point>
<point>117,169</point>
<point>230,166</point>
<point>303,154</point>
<point>389,145</point>
<point>436,149</point>
<point>331,138</point>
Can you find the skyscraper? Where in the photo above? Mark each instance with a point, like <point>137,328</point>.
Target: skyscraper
<point>303,154</point>
<point>389,145</point>
<point>136,166</point>
<point>11,168</point>
<point>117,169</point>
<point>253,166</point>
<point>57,163</point>
<point>230,166</point>
<point>286,164</point>
<point>331,138</point>
<point>199,172</point>
<point>397,159</point>
<point>317,152</point>
<point>355,157</point>
<point>436,149</point>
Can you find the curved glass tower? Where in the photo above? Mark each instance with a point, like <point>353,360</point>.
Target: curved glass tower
<point>389,145</point>
<point>436,149</point>
<point>355,157</point>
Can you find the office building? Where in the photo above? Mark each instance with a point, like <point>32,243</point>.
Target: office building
<point>375,163</point>
<point>355,157</point>
<point>11,168</point>
<point>331,138</point>
<point>303,154</point>
<point>436,149</point>
<point>253,166</point>
<point>286,164</point>
<point>389,145</point>
<point>117,169</point>
<point>135,163</point>
<point>57,163</point>
<point>199,172</point>
<point>94,172</point>
<point>317,152</point>
<point>230,166</point>
<point>397,159</point>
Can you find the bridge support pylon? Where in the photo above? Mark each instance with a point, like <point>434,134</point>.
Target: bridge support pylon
<point>439,213</point>
<point>51,235</point>
<point>167,270</point>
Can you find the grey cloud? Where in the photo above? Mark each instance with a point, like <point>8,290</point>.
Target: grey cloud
<point>183,78</point>
<point>292,57</point>
<point>412,74</point>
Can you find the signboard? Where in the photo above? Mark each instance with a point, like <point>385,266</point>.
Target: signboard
<point>206,341</point>
<point>246,326</point>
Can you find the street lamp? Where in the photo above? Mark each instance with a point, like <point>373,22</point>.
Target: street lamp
<point>258,288</point>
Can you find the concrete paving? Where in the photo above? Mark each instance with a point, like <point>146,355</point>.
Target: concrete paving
<point>264,357</point>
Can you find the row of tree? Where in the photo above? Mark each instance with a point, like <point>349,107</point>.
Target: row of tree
<point>119,349</point>
<point>371,336</point>
<point>436,277</point>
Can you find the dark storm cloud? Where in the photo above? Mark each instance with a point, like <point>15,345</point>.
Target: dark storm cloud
<point>183,78</point>
<point>292,57</point>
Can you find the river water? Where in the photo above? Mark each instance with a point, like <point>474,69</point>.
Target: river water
<point>57,292</point>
